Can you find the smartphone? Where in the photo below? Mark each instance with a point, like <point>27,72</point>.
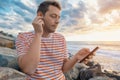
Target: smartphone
<point>94,50</point>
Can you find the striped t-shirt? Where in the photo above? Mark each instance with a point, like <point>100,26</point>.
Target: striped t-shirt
<point>53,53</point>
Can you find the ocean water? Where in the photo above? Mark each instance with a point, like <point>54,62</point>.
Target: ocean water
<point>106,48</point>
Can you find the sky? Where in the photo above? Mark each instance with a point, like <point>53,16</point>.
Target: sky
<point>81,20</point>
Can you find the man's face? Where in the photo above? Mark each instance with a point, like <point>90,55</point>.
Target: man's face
<point>51,19</point>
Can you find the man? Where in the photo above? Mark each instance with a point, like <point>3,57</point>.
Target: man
<point>42,54</point>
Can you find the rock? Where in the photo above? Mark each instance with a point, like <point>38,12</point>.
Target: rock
<point>11,74</point>
<point>7,40</point>
<point>84,72</point>
<point>8,58</point>
<point>113,74</point>
<point>102,78</point>
<point>8,51</point>
<point>9,69</point>
<point>87,73</point>
<point>9,61</point>
<point>74,72</point>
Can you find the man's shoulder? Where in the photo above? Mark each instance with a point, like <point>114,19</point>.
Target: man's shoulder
<point>25,34</point>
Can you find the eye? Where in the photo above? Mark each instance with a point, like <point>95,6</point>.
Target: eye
<point>54,16</point>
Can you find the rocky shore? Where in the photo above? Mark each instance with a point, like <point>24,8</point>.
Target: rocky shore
<point>101,68</point>
<point>108,63</point>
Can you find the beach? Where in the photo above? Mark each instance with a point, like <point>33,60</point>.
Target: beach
<point>107,63</point>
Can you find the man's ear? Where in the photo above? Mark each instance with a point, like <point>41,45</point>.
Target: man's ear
<point>39,14</point>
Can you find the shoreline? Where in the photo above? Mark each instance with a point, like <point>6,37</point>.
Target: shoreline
<point>107,63</point>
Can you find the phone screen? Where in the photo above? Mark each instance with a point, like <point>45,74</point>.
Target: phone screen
<point>95,49</point>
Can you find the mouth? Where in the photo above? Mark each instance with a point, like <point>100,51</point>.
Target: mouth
<point>54,26</point>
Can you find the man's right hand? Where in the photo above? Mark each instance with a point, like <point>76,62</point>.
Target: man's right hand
<point>38,25</point>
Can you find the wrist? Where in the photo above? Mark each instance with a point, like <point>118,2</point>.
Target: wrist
<point>38,34</point>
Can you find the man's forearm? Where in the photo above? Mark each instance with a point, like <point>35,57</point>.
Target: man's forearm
<point>29,61</point>
<point>69,63</point>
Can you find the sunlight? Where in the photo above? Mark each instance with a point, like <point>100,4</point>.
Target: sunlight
<point>96,36</point>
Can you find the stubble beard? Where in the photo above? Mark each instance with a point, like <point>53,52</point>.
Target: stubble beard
<point>49,30</point>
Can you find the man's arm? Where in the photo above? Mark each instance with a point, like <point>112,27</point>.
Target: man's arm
<point>69,63</point>
<point>28,62</point>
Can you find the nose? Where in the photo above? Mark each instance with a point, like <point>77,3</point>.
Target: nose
<point>57,21</point>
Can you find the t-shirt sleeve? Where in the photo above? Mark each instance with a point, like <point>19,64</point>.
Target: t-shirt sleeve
<point>21,44</point>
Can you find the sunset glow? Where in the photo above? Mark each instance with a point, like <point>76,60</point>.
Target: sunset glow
<point>81,20</point>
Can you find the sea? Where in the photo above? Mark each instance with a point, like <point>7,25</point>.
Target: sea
<point>106,48</point>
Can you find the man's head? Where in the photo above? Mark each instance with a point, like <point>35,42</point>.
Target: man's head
<point>50,11</point>
<point>43,7</point>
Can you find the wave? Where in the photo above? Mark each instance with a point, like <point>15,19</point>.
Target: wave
<point>107,48</point>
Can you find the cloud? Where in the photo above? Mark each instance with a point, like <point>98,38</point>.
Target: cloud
<point>71,15</point>
<point>102,21</point>
<point>17,15</point>
<point>14,14</point>
<point>81,17</point>
<point>106,6</point>
<point>22,13</point>
<point>4,7</point>
<point>95,19</point>
<point>22,6</point>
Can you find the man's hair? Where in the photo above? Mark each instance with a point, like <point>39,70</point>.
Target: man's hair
<point>43,7</point>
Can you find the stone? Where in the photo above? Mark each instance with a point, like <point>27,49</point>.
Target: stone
<point>9,61</point>
<point>112,74</point>
<point>102,78</point>
<point>74,72</point>
<point>11,74</point>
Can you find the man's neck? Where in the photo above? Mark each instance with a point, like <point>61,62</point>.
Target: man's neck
<point>46,35</point>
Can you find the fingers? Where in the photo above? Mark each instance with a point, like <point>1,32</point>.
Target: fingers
<point>85,54</point>
<point>84,51</point>
<point>94,54</point>
<point>38,24</point>
<point>86,61</point>
<point>82,54</point>
<point>40,21</point>
<point>90,57</point>
<point>38,18</point>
